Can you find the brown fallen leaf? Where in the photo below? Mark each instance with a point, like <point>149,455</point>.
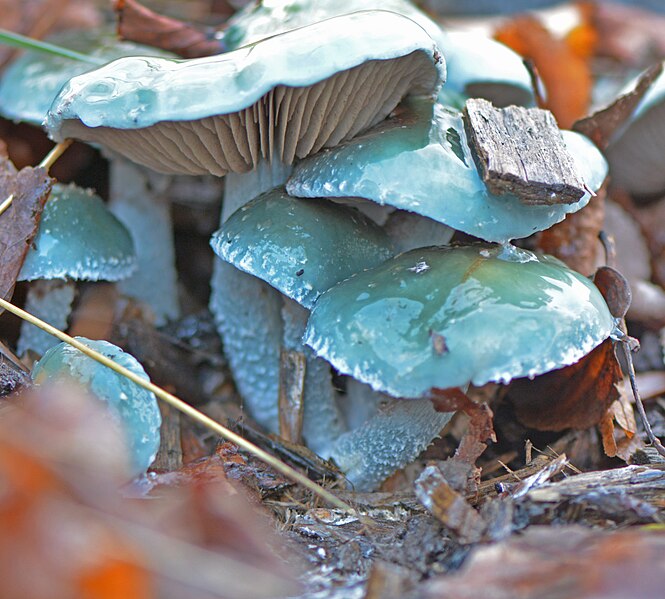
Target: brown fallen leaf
<point>448,506</point>
<point>600,126</point>
<point>62,515</point>
<point>575,239</point>
<point>631,35</point>
<point>566,74</point>
<point>140,24</point>
<point>555,562</point>
<point>577,396</point>
<point>480,428</point>
<point>30,188</point>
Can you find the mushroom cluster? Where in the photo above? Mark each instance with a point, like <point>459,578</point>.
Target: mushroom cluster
<point>340,104</point>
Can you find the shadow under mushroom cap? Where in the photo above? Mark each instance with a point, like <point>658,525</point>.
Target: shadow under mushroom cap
<point>445,317</point>
<point>282,97</point>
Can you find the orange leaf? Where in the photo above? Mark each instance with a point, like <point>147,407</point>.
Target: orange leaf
<point>566,75</point>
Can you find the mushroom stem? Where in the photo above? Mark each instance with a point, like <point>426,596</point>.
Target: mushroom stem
<point>51,301</point>
<point>392,438</point>
<point>137,201</point>
<point>247,311</point>
<point>323,421</point>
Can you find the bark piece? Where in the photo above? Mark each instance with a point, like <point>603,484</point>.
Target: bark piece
<point>291,394</point>
<point>29,187</point>
<point>521,151</point>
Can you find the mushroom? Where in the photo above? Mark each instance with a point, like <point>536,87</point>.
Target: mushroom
<point>131,408</point>
<point>248,114</point>
<point>27,89</point>
<point>635,152</point>
<point>443,317</point>
<point>480,67</point>
<point>78,240</point>
<point>303,248</point>
<point>419,161</point>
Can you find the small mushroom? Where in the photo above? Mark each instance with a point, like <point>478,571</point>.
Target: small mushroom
<point>131,408</point>
<point>419,161</point>
<point>27,89</point>
<point>636,150</point>
<point>78,240</point>
<point>449,316</point>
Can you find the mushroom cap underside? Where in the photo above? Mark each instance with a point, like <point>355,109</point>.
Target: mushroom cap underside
<point>284,97</point>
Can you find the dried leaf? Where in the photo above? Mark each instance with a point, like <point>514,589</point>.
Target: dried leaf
<point>615,289</point>
<point>601,125</point>
<point>448,506</point>
<point>633,36</point>
<point>140,24</point>
<point>30,188</point>
<point>561,561</point>
<point>566,75</point>
<point>62,516</point>
<point>577,396</point>
<point>575,240</point>
<point>480,429</point>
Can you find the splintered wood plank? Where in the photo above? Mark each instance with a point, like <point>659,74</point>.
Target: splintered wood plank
<point>520,151</point>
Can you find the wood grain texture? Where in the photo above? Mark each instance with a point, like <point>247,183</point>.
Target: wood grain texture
<point>520,151</point>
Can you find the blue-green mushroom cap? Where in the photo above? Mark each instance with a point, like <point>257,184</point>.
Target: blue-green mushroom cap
<point>286,96</point>
<point>300,247</point>
<point>133,408</point>
<point>636,151</point>
<point>420,161</point>
<point>445,317</point>
<point>264,19</point>
<point>480,67</point>
<point>31,82</point>
<point>78,238</point>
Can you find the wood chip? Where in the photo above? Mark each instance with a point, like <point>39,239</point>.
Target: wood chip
<point>520,151</point>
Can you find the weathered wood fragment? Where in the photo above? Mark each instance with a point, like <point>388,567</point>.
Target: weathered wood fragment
<point>520,151</point>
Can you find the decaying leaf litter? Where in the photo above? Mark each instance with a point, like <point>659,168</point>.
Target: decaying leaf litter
<point>520,485</point>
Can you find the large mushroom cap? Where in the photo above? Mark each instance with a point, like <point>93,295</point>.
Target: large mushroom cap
<point>133,408</point>
<point>300,247</point>
<point>420,162</point>
<point>446,317</point>
<point>260,20</point>
<point>31,82</point>
<point>286,96</point>
<point>637,151</point>
<point>78,238</point>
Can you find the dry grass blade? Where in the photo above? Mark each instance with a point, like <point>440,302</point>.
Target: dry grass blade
<point>185,408</point>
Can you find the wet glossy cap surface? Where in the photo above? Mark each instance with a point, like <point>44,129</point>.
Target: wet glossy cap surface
<point>445,317</point>
<point>79,238</point>
<point>132,408</point>
<point>138,92</point>
<point>420,161</point>
<point>31,82</point>
<point>301,247</point>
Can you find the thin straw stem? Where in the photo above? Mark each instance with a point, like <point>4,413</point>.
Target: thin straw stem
<point>185,408</point>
